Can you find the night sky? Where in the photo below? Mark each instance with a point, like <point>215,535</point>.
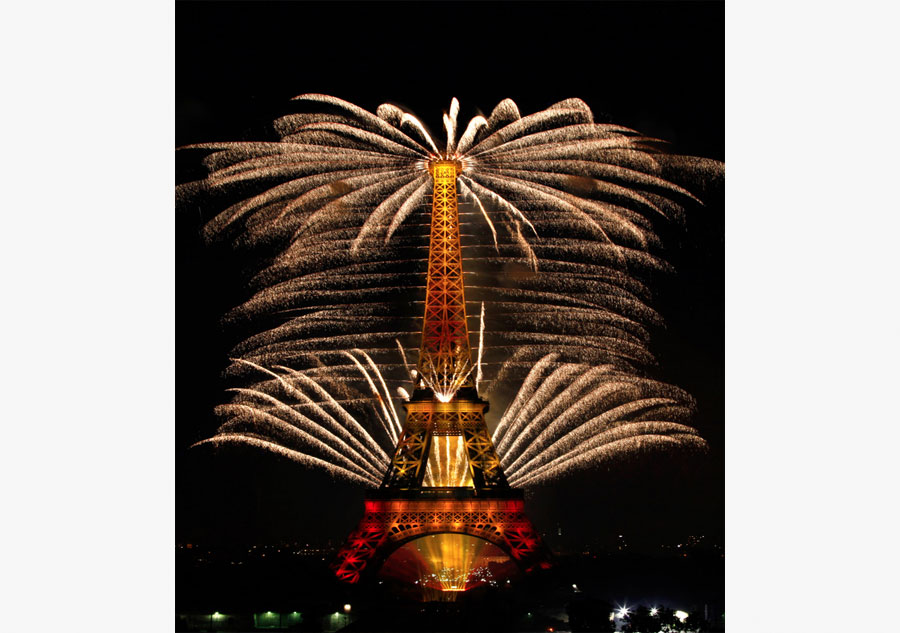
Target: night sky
<point>656,67</point>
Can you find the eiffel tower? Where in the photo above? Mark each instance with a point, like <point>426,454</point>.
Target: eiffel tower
<point>445,476</point>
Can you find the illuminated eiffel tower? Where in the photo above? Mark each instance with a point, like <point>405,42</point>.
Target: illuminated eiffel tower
<point>445,476</point>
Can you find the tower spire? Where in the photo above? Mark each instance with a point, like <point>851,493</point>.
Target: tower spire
<point>445,357</point>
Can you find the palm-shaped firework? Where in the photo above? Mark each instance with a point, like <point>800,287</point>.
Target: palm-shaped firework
<point>560,219</point>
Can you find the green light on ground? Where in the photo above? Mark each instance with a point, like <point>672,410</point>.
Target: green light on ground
<point>294,617</point>
<point>267,620</point>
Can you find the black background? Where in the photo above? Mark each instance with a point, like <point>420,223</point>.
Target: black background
<point>656,67</point>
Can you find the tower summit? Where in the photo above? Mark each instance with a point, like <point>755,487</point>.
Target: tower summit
<point>445,476</point>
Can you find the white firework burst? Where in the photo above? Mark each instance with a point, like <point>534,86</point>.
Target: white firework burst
<point>559,217</point>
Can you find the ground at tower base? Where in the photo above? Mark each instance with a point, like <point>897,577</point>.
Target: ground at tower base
<point>289,587</point>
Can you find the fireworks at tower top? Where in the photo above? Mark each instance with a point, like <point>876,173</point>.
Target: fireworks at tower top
<point>605,178</point>
<point>560,228</point>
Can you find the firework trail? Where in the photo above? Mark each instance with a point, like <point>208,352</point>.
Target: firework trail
<point>388,421</point>
<point>479,375</point>
<point>560,220</point>
<point>556,422</point>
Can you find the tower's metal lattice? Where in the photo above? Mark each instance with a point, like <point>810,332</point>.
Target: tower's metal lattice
<point>444,402</point>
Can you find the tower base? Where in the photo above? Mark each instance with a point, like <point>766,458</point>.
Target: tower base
<point>388,523</point>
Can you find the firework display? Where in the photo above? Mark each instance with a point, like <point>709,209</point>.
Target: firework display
<point>560,220</point>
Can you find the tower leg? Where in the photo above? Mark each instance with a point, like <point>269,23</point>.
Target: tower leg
<point>483,461</point>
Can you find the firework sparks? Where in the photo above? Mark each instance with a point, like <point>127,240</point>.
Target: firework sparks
<point>559,216</point>
<point>479,375</point>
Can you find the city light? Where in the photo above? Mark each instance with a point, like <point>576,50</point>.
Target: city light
<point>654,611</point>
<point>681,615</point>
<point>623,612</point>
<point>346,608</point>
